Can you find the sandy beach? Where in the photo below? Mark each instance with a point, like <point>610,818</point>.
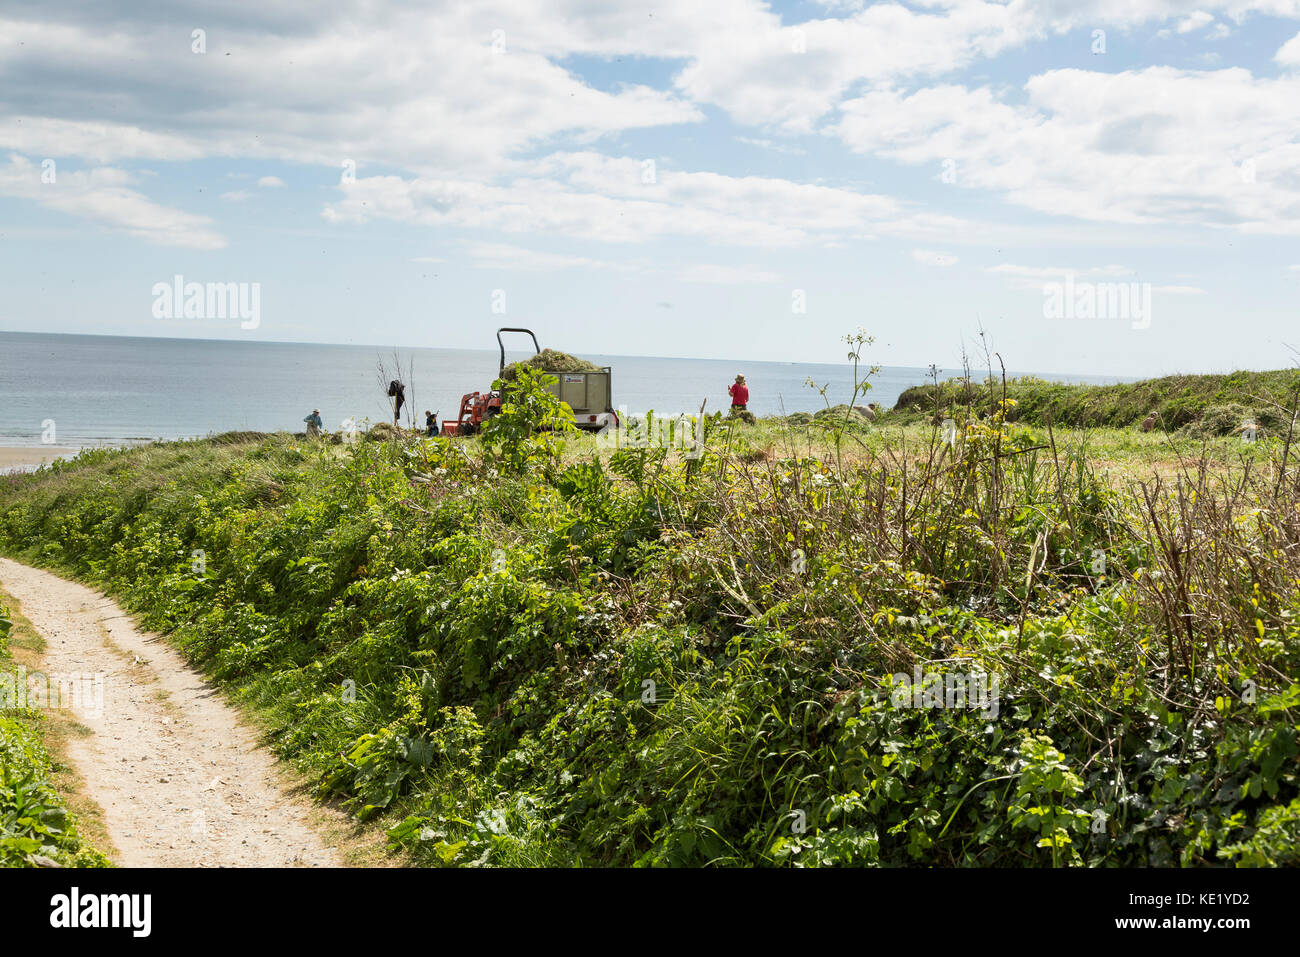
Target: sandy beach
<point>26,456</point>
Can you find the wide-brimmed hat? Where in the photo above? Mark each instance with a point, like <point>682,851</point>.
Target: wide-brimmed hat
<point>740,377</point>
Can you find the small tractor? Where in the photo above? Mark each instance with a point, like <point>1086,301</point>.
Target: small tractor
<point>587,393</point>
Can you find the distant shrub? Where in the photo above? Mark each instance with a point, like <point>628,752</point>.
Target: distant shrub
<point>1180,402</point>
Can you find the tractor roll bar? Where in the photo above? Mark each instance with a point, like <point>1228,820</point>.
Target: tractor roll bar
<point>502,346</point>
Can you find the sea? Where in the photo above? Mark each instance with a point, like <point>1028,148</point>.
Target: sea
<point>77,391</point>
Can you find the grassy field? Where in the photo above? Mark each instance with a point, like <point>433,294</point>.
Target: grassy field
<point>874,645</point>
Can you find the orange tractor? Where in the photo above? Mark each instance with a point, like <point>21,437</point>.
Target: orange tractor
<point>475,408</point>
<point>587,393</point>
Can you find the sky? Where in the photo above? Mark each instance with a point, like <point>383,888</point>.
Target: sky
<point>731,179</point>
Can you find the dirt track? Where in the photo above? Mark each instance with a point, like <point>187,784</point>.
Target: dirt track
<point>181,780</point>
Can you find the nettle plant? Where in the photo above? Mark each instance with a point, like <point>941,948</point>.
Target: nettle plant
<point>527,432</point>
<point>1044,789</point>
<point>836,427</point>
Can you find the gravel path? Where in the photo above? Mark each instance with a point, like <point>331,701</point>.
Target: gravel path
<point>181,780</point>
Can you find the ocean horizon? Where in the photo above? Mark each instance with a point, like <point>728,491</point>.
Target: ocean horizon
<point>79,391</point>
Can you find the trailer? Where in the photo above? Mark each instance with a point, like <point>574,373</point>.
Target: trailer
<point>588,394</point>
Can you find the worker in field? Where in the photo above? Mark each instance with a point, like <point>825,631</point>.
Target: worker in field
<point>314,423</point>
<point>397,392</point>
<point>430,423</point>
<point>739,393</point>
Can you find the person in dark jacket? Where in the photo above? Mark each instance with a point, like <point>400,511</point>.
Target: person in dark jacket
<point>430,422</point>
<point>397,392</point>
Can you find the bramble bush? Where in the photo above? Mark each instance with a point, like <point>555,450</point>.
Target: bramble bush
<point>643,660</point>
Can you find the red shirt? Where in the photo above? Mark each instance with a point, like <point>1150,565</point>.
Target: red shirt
<point>739,393</point>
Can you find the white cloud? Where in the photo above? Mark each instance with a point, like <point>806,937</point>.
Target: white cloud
<point>931,258</point>
<point>1159,145</point>
<point>1289,53</point>
<point>1043,272</point>
<point>759,76</point>
<point>727,275</point>
<point>426,89</point>
<point>95,141</point>
<point>102,196</point>
<point>771,73</point>
<point>1033,277</point>
<point>520,259</point>
<point>375,82</point>
<point>1196,21</point>
<point>270,182</point>
<point>236,196</point>
<point>775,147</point>
<point>428,93</point>
<point>589,196</point>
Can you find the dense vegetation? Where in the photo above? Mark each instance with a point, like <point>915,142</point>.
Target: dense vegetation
<point>36,828</point>
<point>510,653</point>
<point>1199,405</point>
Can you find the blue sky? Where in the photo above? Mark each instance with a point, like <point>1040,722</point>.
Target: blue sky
<point>666,179</point>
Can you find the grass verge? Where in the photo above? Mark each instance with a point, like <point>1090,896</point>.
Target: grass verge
<point>45,820</point>
<point>970,650</point>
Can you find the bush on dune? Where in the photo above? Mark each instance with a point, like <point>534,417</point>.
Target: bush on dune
<point>1200,405</point>
<point>643,659</point>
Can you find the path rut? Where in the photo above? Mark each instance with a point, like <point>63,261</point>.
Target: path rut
<point>181,779</point>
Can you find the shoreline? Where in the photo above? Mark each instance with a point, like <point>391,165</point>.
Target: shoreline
<point>24,457</point>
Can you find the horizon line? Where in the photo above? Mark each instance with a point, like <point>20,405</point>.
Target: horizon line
<point>617,355</point>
